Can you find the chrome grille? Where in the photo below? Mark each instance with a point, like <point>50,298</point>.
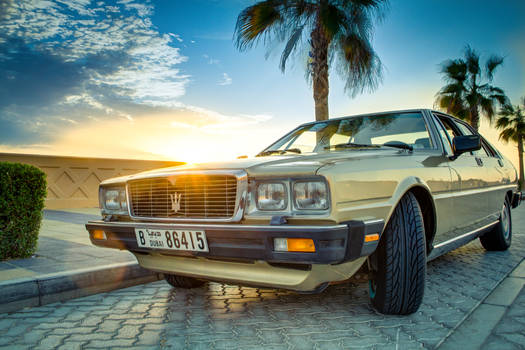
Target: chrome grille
<point>184,196</point>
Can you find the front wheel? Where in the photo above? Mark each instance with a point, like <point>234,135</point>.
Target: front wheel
<point>500,237</point>
<point>398,267</point>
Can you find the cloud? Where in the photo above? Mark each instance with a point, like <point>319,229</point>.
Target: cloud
<point>226,80</point>
<point>78,60</point>
<point>176,37</point>
<point>211,60</point>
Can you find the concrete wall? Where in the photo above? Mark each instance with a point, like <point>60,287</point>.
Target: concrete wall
<point>72,182</point>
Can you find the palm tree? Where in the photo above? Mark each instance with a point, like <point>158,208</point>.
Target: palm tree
<point>512,125</point>
<point>329,30</point>
<point>468,90</point>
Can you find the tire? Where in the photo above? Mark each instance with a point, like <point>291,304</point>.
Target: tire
<point>500,237</point>
<point>183,281</point>
<point>397,281</point>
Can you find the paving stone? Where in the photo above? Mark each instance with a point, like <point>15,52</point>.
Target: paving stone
<point>5,340</point>
<point>128,331</point>
<point>50,342</point>
<point>105,344</point>
<point>17,330</point>
<point>149,338</point>
<point>90,336</point>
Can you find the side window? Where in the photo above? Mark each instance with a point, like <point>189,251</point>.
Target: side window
<point>451,131</point>
<point>489,148</point>
<point>447,141</point>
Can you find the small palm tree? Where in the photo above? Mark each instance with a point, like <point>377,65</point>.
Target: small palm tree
<point>512,125</point>
<point>469,90</point>
<point>339,30</point>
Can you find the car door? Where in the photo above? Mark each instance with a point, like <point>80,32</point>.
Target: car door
<point>493,173</point>
<point>475,177</point>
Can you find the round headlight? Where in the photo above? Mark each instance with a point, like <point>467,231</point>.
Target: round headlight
<point>271,196</point>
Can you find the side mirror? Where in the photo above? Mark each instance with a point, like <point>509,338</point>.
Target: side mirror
<point>465,143</point>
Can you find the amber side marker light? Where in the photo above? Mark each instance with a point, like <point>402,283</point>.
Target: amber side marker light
<point>372,237</point>
<point>304,245</point>
<point>99,234</point>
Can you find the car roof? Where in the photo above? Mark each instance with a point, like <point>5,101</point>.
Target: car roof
<point>382,113</point>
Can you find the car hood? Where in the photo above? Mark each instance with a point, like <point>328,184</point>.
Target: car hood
<point>289,165</point>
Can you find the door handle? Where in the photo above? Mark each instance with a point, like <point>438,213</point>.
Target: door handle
<point>479,161</point>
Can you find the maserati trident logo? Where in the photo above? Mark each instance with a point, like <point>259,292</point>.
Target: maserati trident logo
<point>175,201</point>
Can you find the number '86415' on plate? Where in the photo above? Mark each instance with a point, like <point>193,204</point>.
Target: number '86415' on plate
<point>172,239</point>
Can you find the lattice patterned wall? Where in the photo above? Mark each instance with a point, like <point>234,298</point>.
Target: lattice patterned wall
<point>72,182</point>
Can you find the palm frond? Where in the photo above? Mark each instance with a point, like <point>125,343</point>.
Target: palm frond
<point>255,21</point>
<point>359,64</point>
<point>507,134</point>
<point>332,20</point>
<point>472,60</point>
<point>291,46</point>
<point>503,122</point>
<point>506,110</point>
<point>453,104</point>
<point>454,70</point>
<point>492,63</point>
<point>453,88</point>
<point>487,106</point>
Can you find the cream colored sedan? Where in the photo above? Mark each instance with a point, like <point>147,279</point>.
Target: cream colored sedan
<point>389,190</point>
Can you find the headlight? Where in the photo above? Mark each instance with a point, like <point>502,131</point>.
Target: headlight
<point>271,196</point>
<point>310,195</point>
<point>113,200</point>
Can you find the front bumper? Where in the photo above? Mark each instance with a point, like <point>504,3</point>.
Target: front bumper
<point>334,244</point>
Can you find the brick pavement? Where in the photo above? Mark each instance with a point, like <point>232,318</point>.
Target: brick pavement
<point>509,333</point>
<point>219,316</point>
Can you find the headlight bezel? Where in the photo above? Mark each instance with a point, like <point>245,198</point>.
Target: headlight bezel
<point>121,200</point>
<point>291,209</point>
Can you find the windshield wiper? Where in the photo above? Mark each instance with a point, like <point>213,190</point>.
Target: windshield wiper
<point>351,145</point>
<point>398,144</point>
<point>279,151</point>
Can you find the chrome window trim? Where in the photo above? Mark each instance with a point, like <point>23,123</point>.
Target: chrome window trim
<point>240,199</point>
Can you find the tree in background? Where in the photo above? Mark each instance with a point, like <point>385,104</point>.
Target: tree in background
<point>330,30</point>
<point>468,90</point>
<point>511,122</point>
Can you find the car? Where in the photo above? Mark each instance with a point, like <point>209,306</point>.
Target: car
<point>388,191</point>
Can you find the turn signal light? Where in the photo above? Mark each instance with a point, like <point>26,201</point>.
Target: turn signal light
<point>304,245</point>
<point>372,237</point>
<point>99,234</point>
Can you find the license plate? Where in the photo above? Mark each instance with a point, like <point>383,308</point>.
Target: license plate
<point>194,241</point>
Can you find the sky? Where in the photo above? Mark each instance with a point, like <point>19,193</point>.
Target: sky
<point>163,79</point>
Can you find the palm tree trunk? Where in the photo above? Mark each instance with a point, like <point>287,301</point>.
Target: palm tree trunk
<point>474,117</point>
<point>520,161</point>
<point>319,53</point>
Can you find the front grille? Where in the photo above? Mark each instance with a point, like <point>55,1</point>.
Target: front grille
<point>184,196</point>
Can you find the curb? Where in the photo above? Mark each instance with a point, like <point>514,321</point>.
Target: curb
<point>477,325</point>
<point>36,291</point>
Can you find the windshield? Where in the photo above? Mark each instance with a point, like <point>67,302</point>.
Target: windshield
<point>407,130</point>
